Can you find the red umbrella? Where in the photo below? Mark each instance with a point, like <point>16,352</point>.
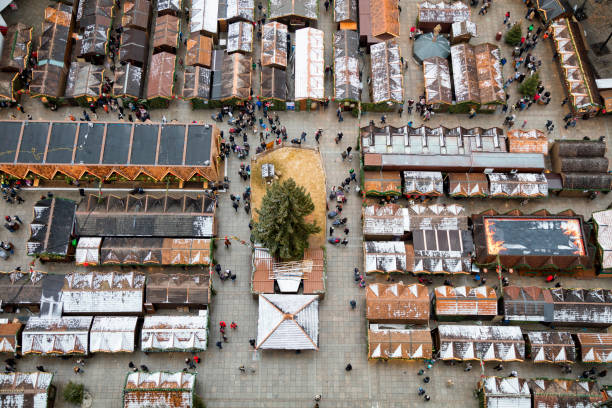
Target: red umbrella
<point>549,278</point>
<point>412,29</point>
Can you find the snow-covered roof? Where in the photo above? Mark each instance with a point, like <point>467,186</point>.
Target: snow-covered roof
<point>289,322</point>
<point>240,37</point>
<point>103,292</point>
<point>25,390</point>
<point>423,183</point>
<point>112,334</point>
<point>309,64</point>
<point>56,336</point>
<point>551,347</point>
<point>511,392</point>
<point>387,79</point>
<point>159,389</point>
<point>88,251</point>
<point>595,347</point>
<point>582,306</point>
<point>397,302</point>
<point>204,15</point>
<point>399,343</point>
<point>435,216</point>
<point>561,393</point>
<point>240,9</point>
<point>489,343</point>
<point>519,185</point>
<point>383,220</point>
<point>274,44</point>
<point>603,221</point>
<point>384,256</point>
<point>465,300</point>
<point>8,336</point>
<point>175,333</point>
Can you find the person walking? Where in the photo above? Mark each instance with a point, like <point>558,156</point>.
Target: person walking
<point>219,345</point>
<point>472,113</point>
<point>348,367</point>
<point>383,119</point>
<point>353,304</point>
<point>331,231</point>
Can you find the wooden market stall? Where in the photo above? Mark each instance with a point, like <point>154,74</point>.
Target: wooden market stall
<point>309,68</point>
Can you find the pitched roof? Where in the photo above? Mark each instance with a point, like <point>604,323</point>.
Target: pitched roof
<point>8,336</point>
<point>435,217</point>
<point>489,343</point>
<point>175,333</point>
<point>171,389</point>
<point>56,336</point>
<point>25,390</point>
<point>384,256</point>
<point>603,224</point>
<point>527,303</point>
<point>553,393</point>
<point>582,306</point>
<point>382,220</point>
<point>466,301</point>
<point>52,227</point>
<point>288,322</point>
<point>551,347</point>
<point>309,64</point>
<point>274,44</point>
<point>397,302</point>
<point>182,289</point>
<point>112,334</point>
<point>595,347</point>
<point>399,343</point>
<point>442,251</point>
<point>506,392</point>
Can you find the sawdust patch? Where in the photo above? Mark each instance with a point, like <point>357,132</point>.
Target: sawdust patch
<point>306,168</point>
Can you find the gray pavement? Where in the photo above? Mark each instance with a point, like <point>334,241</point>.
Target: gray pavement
<point>283,379</point>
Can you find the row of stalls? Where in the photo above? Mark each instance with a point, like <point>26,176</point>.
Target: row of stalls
<point>480,163</point>
<point>539,392</point>
<point>441,239</point>
<point>14,59</point>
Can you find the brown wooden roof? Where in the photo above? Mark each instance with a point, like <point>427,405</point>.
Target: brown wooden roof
<point>465,301</point>
<point>166,32</point>
<point>384,19</point>
<point>199,50</point>
<point>397,303</point>
<point>399,344</point>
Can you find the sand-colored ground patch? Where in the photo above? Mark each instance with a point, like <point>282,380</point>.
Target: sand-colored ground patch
<point>303,165</point>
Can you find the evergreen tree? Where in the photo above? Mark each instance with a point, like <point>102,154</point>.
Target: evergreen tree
<point>73,393</point>
<point>529,86</point>
<point>513,36</point>
<point>281,227</point>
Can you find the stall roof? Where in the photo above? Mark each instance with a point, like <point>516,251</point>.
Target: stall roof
<point>197,83</point>
<point>54,45</point>
<point>9,332</point>
<point>289,322</point>
<point>8,81</point>
<point>273,83</point>
<point>18,42</point>
<point>551,347</point>
<point>527,304</point>
<point>308,9</point>
<point>128,81</point>
<point>595,347</point>
<point>345,11</point>
<point>397,303</point>
<point>527,141</point>
<point>238,10</point>
<point>274,44</point>
<point>168,6</point>
<point>465,301</point>
<point>468,185</point>
<point>465,73</point>
<point>134,46</point>
<point>309,64</point>
<point>88,251</point>
<point>423,183</point>
<point>136,14</point>
<point>387,78</point>
<point>603,224</point>
<point>585,307</point>
<point>160,80</point>
<point>166,33</point>
<point>553,9</point>
<point>489,73</point>
<point>94,40</point>
<point>437,78</point>
<point>262,271</point>
<point>160,388</point>
<point>203,16</point>
<point>506,392</point>
<point>146,216</point>
<point>155,251</point>
<point>56,336</point>
<point>84,79</point>
<point>382,183</point>
<point>518,185</point>
<point>52,227</point>
<point>235,78</point>
<point>25,390</point>
<point>20,288</point>
<point>199,50</point>
<point>553,393</point>
<point>103,293</point>
<point>486,343</point>
<point>537,242</point>
<point>408,344</point>
<point>365,23</point>
<point>583,164</point>
<point>439,12</point>
<point>579,80</point>
<point>384,256</point>
<point>384,19</point>
<point>175,333</point>
<point>382,221</point>
<point>48,80</point>
<point>59,14</point>
<point>112,334</point>
<point>435,216</point>
<point>442,251</point>
<point>90,11</point>
<point>178,289</point>
<point>347,85</point>
<point>240,37</point>
<point>104,149</point>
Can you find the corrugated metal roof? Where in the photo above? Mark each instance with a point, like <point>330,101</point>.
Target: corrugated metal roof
<point>551,347</point>
<point>596,347</point>
<point>528,303</point>
<point>489,343</point>
<point>399,343</point>
<point>288,322</point>
<point>397,302</point>
<point>583,306</point>
<point>175,333</point>
<point>464,300</point>
<point>112,334</point>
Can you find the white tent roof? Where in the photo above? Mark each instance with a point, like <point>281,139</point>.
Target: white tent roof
<point>112,334</point>
<point>175,333</point>
<point>309,64</point>
<point>204,15</point>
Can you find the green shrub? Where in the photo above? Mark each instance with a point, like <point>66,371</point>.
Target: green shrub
<point>198,402</point>
<point>513,36</point>
<point>530,85</point>
<point>73,393</point>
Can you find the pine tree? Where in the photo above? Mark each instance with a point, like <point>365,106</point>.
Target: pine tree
<point>281,227</point>
<point>529,86</point>
<point>513,36</point>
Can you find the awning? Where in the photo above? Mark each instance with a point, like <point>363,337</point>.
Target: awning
<point>468,185</point>
<point>382,183</point>
<point>423,183</point>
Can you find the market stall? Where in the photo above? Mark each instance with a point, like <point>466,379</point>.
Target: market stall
<point>442,251</point>
<point>84,83</point>
<point>398,344</point>
<point>203,18</point>
<point>196,88</point>
<point>582,307</point>
<point>178,290</point>
<point>169,7</point>
<point>274,45</point>
<point>442,13</point>
<point>231,11</point>
<point>309,68</point>
<point>594,347</point>
<point>295,14</point>
<point>240,37</point>
<point>555,347</point>
<point>128,82</point>
<point>484,343</point>
<point>464,185</point>
<point>397,303</point>
<point>274,87</point>
<point>384,19</point>
<point>15,55</point>
<point>383,222</point>
<point>53,225</point>
<point>134,47</point>
<point>385,257</point>
<point>422,183</point>
<point>517,185</point>
<point>527,141</point>
<point>436,75</point>
<point>551,393</point>
<point>464,302</point>
<point>583,165</point>
<point>199,51</point>
<point>94,40</point>
<point>176,333</point>
<point>497,392</point>
<point>160,79</point>
<point>347,85</point>
<point>159,388</point>
<point>113,334</point>
<point>56,336</point>
<point>345,14</point>
<point>236,78</point>
<point>136,14</point>
<point>166,34</point>
<point>488,68</point>
<point>435,217</point>
<point>382,183</point>
<point>602,220</point>
<point>387,86</point>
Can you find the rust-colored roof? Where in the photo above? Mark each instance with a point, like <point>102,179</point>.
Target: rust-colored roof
<point>166,32</point>
<point>62,14</point>
<point>564,393</point>
<point>527,141</point>
<point>466,301</point>
<point>397,302</point>
<point>199,50</point>
<point>468,184</point>
<point>160,83</point>
<point>595,347</point>
<point>399,344</point>
<point>316,281</point>
<point>136,14</point>
<point>384,19</point>
<point>8,336</point>
<point>382,182</point>
<point>262,271</point>
<point>531,293</point>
